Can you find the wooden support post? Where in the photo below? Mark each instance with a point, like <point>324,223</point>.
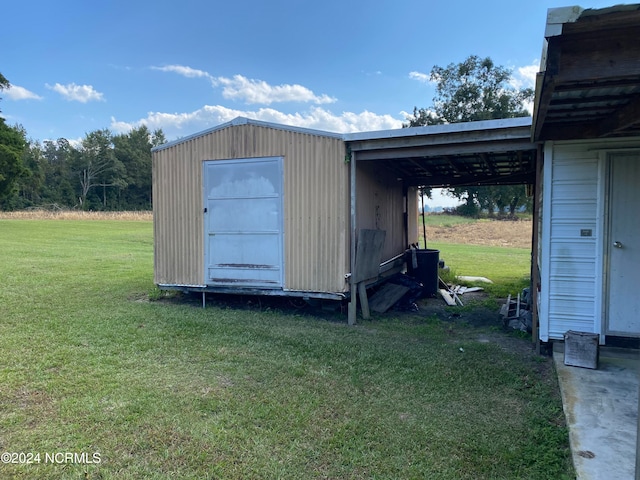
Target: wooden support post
<point>351,318</point>
<point>364,301</point>
<point>351,312</point>
<point>535,271</point>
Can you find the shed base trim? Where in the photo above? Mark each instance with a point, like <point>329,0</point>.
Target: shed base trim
<point>253,291</point>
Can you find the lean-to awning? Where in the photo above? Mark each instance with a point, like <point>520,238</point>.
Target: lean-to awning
<point>490,152</point>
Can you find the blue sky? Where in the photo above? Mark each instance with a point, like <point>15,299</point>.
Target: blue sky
<point>336,65</point>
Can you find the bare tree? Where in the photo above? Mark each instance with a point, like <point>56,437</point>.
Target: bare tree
<point>98,165</point>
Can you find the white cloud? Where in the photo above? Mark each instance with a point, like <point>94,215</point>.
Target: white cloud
<point>421,77</point>
<point>260,92</point>
<point>175,125</point>
<point>184,71</point>
<point>525,77</point>
<point>251,91</point>
<point>77,93</point>
<point>14,92</point>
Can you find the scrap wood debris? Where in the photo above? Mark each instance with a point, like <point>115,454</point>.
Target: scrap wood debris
<point>517,314</point>
<point>450,293</point>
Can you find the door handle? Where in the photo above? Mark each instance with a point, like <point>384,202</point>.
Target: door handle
<point>617,244</point>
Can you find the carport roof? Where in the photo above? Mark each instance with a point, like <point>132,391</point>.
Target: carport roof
<point>589,84</point>
<point>490,152</point>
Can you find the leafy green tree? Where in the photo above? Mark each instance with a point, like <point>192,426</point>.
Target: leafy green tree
<point>502,199</point>
<point>97,166</point>
<point>512,197</point>
<point>60,181</point>
<point>476,89</point>
<point>423,117</point>
<point>158,138</point>
<point>30,184</point>
<point>133,150</point>
<point>12,145</point>
<point>4,83</point>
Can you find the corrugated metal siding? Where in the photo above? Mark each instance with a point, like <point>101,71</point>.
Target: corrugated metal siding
<point>177,207</point>
<point>316,215</point>
<point>380,205</point>
<point>573,286</point>
<point>316,204</point>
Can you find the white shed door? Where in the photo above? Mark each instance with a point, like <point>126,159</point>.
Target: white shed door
<point>243,222</point>
<point>624,247</point>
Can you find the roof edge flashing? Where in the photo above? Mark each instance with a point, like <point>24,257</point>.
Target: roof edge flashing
<point>239,121</point>
<point>557,17</point>
<point>443,129</point>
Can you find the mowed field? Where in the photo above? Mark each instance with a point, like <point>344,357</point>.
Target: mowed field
<point>102,377</point>
<point>439,228</point>
<point>494,233</point>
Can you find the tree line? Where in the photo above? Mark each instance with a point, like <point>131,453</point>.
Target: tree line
<point>103,172</point>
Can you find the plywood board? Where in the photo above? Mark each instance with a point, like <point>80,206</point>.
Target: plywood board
<point>368,254</point>
<point>386,297</point>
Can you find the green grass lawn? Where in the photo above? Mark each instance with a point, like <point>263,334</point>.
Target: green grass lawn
<point>165,389</point>
<point>507,267</point>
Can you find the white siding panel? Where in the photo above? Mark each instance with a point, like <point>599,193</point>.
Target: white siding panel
<point>569,228</point>
<point>572,268</point>
<point>573,211</point>
<point>572,265</point>
<point>572,192</point>
<point>571,287</point>
<point>573,306</point>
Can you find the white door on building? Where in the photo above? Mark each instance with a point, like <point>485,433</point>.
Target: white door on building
<point>244,222</point>
<point>624,246</point>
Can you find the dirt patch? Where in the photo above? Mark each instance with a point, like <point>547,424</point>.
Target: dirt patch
<point>478,321</point>
<point>496,233</point>
<point>479,318</point>
<point>474,312</point>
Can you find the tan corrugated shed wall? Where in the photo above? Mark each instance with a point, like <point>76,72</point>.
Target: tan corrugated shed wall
<point>177,218</point>
<point>380,205</point>
<point>316,204</point>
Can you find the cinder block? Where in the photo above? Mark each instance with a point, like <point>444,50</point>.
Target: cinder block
<point>581,349</point>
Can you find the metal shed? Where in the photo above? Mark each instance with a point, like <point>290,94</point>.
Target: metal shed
<point>259,208</point>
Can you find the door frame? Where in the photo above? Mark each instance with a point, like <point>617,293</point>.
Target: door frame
<point>205,223</point>
<point>606,248</point>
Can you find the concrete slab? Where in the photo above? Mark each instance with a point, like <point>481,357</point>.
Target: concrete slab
<point>601,408</point>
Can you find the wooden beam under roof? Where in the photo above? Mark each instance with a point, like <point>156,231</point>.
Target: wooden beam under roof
<point>442,150</point>
<point>519,178</point>
<point>597,52</point>
<point>469,133</point>
<point>485,159</point>
<point>621,119</point>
